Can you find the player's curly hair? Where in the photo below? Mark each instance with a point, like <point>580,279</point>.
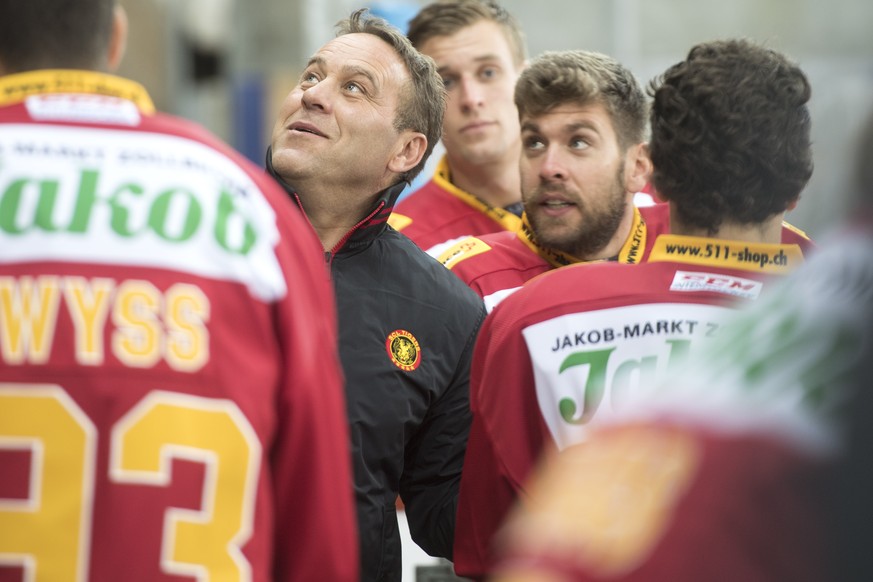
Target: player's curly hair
<point>730,134</point>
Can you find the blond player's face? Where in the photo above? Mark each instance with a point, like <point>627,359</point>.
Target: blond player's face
<point>479,72</point>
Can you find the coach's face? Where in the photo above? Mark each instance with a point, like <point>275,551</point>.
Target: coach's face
<point>337,125</point>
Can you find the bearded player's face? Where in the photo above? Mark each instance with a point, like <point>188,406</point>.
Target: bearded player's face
<point>572,179</point>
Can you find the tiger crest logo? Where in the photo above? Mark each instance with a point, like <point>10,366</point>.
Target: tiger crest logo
<point>403,349</point>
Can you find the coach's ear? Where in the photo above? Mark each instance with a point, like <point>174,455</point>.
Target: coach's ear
<point>118,40</point>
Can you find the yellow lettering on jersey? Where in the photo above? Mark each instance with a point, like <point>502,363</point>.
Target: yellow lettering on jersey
<point>187,310</point>
<point>469,247</point>
<point>47,532</point>
<point>29,313</point>
<point>62,442</point>
<point>205,542</point>
<point>149,325</point>
<point>137,339</point>
<point>88,304</point>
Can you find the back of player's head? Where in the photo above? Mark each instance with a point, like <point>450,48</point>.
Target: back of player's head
<point>56,34</point>
<point>584,77</point>
<point>730,134</point>
<point>447,17</point>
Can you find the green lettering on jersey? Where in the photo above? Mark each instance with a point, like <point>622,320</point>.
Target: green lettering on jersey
<point>85,200</point>
<point>594,387</point>
<point>228,218</point>
<point>174,214</point>
<point>161,210</point>
<point>628,374</point>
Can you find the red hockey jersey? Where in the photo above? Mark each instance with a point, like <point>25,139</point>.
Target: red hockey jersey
<point>439,214</point>
<point>171,403</point>
<point>496,265</point>
<point>580,342</point>
<point>720,473</point>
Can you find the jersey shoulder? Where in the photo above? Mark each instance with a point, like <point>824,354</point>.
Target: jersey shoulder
<point>657,218</point>
<point>496,250</point>
<point>428,206</point>
<point>791,235</point>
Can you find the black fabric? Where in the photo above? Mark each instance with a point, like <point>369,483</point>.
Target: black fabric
<point>408,428</point>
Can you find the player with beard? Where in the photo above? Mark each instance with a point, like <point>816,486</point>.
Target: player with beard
<point>578,345</point>
<point>583,121</point>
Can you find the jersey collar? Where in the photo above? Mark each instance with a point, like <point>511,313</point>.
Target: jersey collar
<point>442,178</point>
<point>746,256</point>
<point>631,252</point>
<point>17,87</point>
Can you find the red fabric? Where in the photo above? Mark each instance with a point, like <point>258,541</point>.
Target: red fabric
<point>270,371</point>
<point>509,430</point>
<point>510,263</point>
<point>749,511</point>
<point>439,217</point>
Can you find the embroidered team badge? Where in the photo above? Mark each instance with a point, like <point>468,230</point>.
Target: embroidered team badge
<point>403,349</point>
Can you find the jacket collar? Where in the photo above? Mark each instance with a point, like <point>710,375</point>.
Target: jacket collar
<point>368,228</point>
<point>631,252</point>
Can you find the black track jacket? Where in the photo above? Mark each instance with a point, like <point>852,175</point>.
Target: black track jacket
<point>407,327</point>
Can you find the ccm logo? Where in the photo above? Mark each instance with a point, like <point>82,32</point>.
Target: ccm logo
<point>696,281</point>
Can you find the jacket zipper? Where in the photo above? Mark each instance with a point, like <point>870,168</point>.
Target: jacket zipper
<point>330,254</point>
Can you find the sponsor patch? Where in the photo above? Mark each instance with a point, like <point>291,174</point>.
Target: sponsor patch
<point>469,247</point>
<point>134,198</point>
<point>403,349</point>
<point>83,109</point>
<point>727,284</point>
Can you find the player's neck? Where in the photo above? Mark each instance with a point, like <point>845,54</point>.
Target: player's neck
<point>768,232</point>
<point>497,183</point>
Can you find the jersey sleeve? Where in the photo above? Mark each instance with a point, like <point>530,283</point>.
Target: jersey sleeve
<point>506,438</point>
<point>315,520</point>
<point>657,501</point>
